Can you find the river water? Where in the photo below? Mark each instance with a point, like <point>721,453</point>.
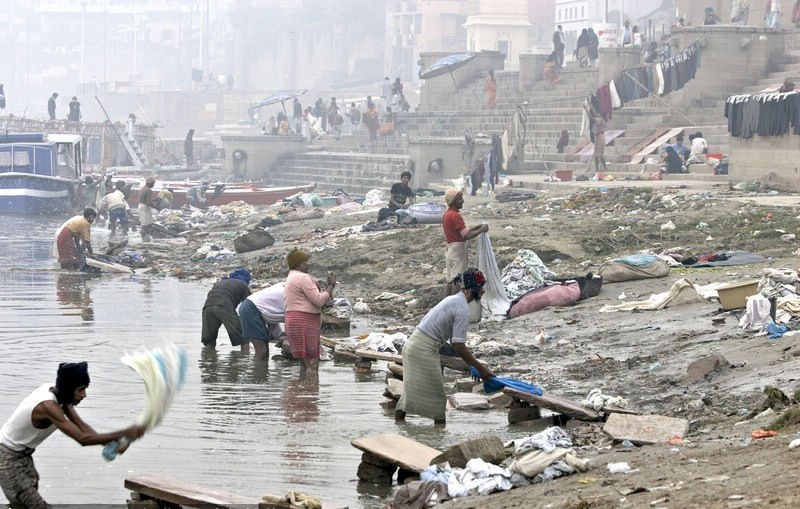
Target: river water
<point>236,425</point>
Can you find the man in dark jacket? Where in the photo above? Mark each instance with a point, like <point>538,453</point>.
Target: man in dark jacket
<point>220,309</point>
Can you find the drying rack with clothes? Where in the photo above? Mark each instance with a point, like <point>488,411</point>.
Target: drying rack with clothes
<point>764,114</point>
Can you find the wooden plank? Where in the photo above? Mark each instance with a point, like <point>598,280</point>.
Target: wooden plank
<point>644,429</point>
<point>555,403</point>
<point>587,150</point>
<point>654,143</point>
<point>398,450</point>
<point>185,494</point>
<point>111,267</point>
<point>454,363</point>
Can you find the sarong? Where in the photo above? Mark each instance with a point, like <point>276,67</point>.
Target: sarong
<point>423,385</point>
<point>68,255</point>
<point>455,259</point>
<point>145,214</point>
<point>302,333</point>
<point>19,479</point>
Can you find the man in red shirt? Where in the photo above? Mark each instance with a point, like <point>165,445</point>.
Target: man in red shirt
<point>457,234</point>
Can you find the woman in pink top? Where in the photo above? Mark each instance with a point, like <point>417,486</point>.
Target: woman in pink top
<point>304,301</point>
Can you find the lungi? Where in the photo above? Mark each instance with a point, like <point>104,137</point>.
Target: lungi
<point>455,259</point>
<point>145,215</point>
<point>423,385</point>
<point>68,255</point>
<point>302,333</point>
<point>19,479</point>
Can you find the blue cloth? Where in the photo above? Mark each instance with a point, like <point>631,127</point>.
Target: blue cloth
<point>496,383</point>
<point>241,274</point>
<point>775,331</point>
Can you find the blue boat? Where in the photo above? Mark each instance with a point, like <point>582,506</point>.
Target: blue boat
<point>39,173</point>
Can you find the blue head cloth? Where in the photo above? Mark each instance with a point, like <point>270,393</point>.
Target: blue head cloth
<point>242,274</point>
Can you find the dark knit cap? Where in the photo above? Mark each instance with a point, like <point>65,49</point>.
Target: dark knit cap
<point>71,375</point>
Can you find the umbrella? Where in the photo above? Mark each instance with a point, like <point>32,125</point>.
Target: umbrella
<point>281,97</point>
<point>446,64</point>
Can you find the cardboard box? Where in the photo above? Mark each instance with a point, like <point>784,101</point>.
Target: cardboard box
<point>734,295</point>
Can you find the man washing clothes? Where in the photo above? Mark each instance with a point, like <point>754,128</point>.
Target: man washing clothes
<point>46,409</point>
<point>456,234</point>
<point>448,321</point>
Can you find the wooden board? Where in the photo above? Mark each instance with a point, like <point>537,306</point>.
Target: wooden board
<point>651,143</point>
<point>644,429</point>
<point>398,450</point>
<point>455,363</point>
<point>586,152</point>
<point>185,494</point>
<point>111,267</point>
<point>555,403</point>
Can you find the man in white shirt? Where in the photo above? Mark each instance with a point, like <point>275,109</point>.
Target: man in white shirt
<point>38,415</point>
<point>117,208</point>
<point>698,150</point>
<point>261,315</point>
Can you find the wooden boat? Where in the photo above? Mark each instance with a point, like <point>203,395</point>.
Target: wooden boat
<point>39,172</point>
<point>221,194</point>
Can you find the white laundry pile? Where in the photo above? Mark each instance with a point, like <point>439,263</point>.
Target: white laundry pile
<point>478,478</point>
<point>546,456</point>
<point>597,400</point>
<point>681,292</point>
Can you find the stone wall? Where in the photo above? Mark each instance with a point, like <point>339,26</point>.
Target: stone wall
<point>263,153</point>
<point>424,150</point>
<point>773,160</point>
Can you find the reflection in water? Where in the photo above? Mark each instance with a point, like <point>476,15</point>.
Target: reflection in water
<point>72,292</point>
<point>300,400</point>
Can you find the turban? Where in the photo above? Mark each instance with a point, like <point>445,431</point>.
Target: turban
<point>473,279</point>
<point>295,258</point>
<point>241,274</point>
<point>70,376</point>
<point>450,196</point>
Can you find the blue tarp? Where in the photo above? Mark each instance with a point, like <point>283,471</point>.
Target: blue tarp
<point>496,383</point>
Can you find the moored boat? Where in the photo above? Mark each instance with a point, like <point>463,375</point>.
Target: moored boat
<point>221,194</point>
<point>39,173</point>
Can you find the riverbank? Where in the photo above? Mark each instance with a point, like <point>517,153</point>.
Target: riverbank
<point>641,356</point>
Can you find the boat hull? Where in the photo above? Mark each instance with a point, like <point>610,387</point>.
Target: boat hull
<point>24,193</point>
<point>253,196</point>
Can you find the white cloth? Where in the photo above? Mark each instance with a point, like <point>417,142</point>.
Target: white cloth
<point>756,315</point>
<point>163,371</point>
<point>681,292</point>
<point>494,301</point>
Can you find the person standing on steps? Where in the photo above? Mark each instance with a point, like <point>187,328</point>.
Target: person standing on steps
<point>51,106</point>
<point>490,83</point>
<point>559,44</point>
<point>74,110</point>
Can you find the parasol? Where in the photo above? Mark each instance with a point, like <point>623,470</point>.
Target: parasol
<point>281,97</point>
<point>445,65</point>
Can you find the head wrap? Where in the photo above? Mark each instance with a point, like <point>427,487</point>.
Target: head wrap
<point>150,180</point>
<point>70,376</point>
<point>473,279</point>
<point>450,196</point>
<point>295,258</point>
<point>241,274</point>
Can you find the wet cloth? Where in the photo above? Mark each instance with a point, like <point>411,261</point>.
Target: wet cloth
<point>68,255</point>
<point>778,283</point>
<point>420,494</point>
<point>302,332</point>
<point>477,478</point>
<point>423,385</point>
<point>497,383</point>
<point>546,441</point>
<point>495,302</point>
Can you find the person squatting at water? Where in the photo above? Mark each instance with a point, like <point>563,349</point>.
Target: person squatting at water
<point>73,238</point>
<point>448,321</point>
<point>38,415</point>
<point>456,234</point>
<point>303,302</point>
<point>117,208</point>
<point>261,315</point>
<point>220,309</point>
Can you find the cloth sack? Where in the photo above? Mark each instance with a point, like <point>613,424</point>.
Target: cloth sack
<point>555,295</point>
<point>628,268</point>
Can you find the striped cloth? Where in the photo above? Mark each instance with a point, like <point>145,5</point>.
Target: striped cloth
<point>303,331</point>
<point>423,386</point>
